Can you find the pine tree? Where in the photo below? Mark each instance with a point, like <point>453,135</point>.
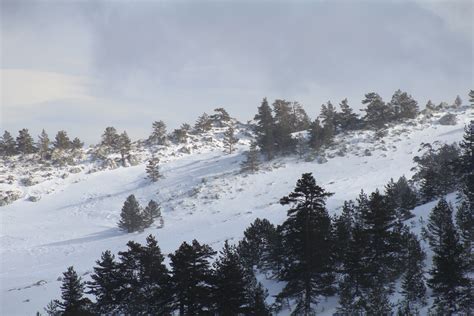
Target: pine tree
<point>131,219</point>
<point>377,113</point>
<point>24,142</point>
<point>191,278</point>
<point>258,306</point>
<point>158,135</point>
<point>466,165</point>
<point>300,120</point>
<point>255,248</point>
<point>62,141</point>
<point>329,117</point>
<point>125,146</point>
<point>401,197</point>
<point>151,212</point>
<point>7,145</point>
<point>43,145</point>
<point>230,283</point>
<point>447,275</point>
<point>251,163</point>
<point>403,106</point>
<point>180,135</point>
<point>316,135</point>
<point>346,119</point>
<point>153,169</point>
<point>110,139</point>
<point>264,129</point>
<point>105,284</point>
<point>284,142</point>
<point>413,283</point>
<point>220,117</point>
<point>203,124</point>
<point>230,140</point>
<point>72,295</point>
<point>53,308</point>
<point>76,144</point>
<point>307,241</point>
<point>457,102</point>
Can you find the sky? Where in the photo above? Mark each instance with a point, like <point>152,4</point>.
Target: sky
<point>81,66</point>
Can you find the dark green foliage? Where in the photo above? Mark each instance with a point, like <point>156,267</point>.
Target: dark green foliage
<point>158,134</point>
<point>124,147</point>
<point>203,124</point>
<point>230,283</point>
<point>377,113</point>
<point>192,278</point>
<point>24,142</point>
<point>466,165</point>
<point>403,106</point>
<point>105,284</point>
<point>316,135</point>
<point>437,171</point>
<point>230,140</point>
<point>43,145</point>
<point>264,129</point>
<point>413,283</point>
<point>220,117</point>
<point>283,119</point>
<point>401,197</point>
<point>131,219</point>
<point>76,144</point>
<point>72,294</point>
<point>151,212</point>
<point>255,248</point>
<point>300,120</point>
<point>346,119</point>
<point>306,235</point>
<point>180,135</point>
<point>153,169</point>
<point>144,279</point>
<point>258,306</point>
<point>251,163</point>
<point>62,141</point>
<point>448,274</point>
<point>53,308</point>
<point>329,117</point>
<point>111,139</point>
<point>7,145</point>
<point>457,102</point>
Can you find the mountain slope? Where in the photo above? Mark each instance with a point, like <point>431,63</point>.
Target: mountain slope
<point>203,196</point>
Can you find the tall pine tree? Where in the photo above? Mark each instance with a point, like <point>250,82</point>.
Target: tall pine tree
<point>264,129</point>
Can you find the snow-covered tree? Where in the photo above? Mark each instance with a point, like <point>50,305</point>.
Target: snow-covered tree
<point>153,169</point>
<point>43,145</point>
<point>230,140</point>
<point>124,146</point>
<point>7,144</point>
<point>62,141</point>
<point>24,142</point>
<point>158,134</point>
<point>252,159</point>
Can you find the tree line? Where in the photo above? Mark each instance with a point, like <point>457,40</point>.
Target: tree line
<point>359,255</point>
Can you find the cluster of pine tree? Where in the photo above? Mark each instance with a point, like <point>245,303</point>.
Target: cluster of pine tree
<point>24,144</point>
<point>134,218</point>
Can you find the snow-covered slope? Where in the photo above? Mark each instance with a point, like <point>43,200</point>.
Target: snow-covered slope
<point>203,196</point>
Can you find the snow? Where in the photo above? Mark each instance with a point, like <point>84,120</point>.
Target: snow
<point>203,196</point>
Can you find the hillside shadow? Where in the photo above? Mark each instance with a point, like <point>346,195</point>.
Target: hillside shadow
<point>105,234</point>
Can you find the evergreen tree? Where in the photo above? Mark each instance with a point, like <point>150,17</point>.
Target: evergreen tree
<point>230,140</point>
<point>124,146</point>
<point>457,102</point>
<point>255,248</point>
<point>153,169</point>
<point>24,142</point>
<point>447,275</point>
<point>62,141</point>
<point>53,308</point>
<point>7,145</point>
<point>151,212</point>
<point>192,278</point>
<point>413,284</point>
<point>403,106</point>
<point>180,135</point>
<point>76,144</point>
<point>105,284</point>
<point>401,197</point>
<point>466,166</point>
<point>264,129</point>
<point>230,283</point>
<point>285,143</point>
<point>346,119</point>
<point>251,163</point>
<point>307,242</point>
<point>329,117</point>
<point>258,306</point>
<point>377,113</point>
<point>430,106</point>
<point>316,135</point>
<point>220,117</point>
<point>203,124</point>
<point>158,135</point>
<point>43,145</point>
<point>72,293</point>
<point>300,120</point>
<point>131,219</point>
<point>110,139</point>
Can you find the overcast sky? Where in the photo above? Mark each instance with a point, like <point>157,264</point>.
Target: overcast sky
<point>85,65</point>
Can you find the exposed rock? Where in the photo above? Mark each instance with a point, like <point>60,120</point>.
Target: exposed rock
<point>75,170</point>
<point>27,182</point>
<point>7,197</point>
<point>34,198</point>
<point>448,119</point>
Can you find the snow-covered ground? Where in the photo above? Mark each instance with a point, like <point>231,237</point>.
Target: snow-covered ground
<point>203,197</point>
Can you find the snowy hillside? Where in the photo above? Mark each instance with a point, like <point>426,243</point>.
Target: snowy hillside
<point>203,196</point>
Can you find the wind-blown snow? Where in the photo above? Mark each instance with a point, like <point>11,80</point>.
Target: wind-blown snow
<point>203,197</point>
